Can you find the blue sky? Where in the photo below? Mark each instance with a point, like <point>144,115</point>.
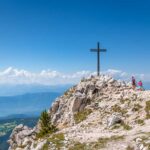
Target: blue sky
<point>57,34</point>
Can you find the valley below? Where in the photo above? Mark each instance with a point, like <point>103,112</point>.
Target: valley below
<point>7,125</point>
<point>22,109</point>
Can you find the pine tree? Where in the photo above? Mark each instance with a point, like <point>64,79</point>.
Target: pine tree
<point>46,124</point>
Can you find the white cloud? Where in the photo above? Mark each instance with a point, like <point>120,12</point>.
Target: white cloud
<point>50,77</point>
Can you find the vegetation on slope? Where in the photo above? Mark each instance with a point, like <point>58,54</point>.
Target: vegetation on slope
<point>80,116</point>
<point>46,126</point>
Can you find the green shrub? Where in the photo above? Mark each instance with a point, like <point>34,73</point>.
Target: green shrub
<point>45,147</point>
<point>78,146</point>
<point>127,127</point>
<point>129,148</point>
<point>140,121</point>
<point>123,101</point>
<point>117,108</point>
<point>116,126</point>
<point>80,116</point>
<point>147,109</point>
<point>102,142</point>
<point>46,125</point>
<point>136,107</point>
<point>57,140</point>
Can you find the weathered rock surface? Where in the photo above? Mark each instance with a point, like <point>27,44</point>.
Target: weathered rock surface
<point>98,113</point>
<point>21,136</point>
<point>114,119</point>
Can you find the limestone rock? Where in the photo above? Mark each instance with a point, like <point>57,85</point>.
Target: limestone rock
<point>114,119</point>
<point>77,102</point>
<point>55,106</point>
<point>21,137</point>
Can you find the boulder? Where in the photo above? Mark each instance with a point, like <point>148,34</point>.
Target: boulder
<point>113,119</point>
<point>111,81</point>
<point>99,85</point>
<point>76,104</point>
<point>82,107</point>
<point>18,128</point>
<point>55,106</point>
<point>21,136</point>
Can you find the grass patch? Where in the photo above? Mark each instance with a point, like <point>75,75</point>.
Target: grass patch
<point>116,126</point>
<point>35,145</point>
<point>130,148</point>
<point>45,147</point>
<point>123,101</point>
<point>116,138</point>
<point>78,146</point>
<point>140,121</point>
<point>101,143</point>
<point>126,126</point>
<point>69,92</point>
<point>57,140</point>
<point>136,107</point>
<point>117,108</point>
<point>147,109</point>
<point>80,116</point>
<point>22,146</point>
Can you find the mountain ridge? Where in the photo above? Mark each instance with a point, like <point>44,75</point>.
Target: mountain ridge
<point>97,113</point>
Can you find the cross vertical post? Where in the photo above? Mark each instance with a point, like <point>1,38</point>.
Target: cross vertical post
<point>98,50</point>
<point>98,60</point>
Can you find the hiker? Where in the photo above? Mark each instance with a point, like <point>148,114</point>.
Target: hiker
<point>140,86</point>
<point>133,83</point>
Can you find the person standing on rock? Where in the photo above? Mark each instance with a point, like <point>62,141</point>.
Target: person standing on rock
<point>133,83</point>
<point>140,86</point>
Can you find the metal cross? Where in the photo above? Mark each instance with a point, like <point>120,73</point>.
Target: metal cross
<point>98,50</point>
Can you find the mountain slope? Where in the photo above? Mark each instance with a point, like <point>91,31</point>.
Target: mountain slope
<point>98,113</point>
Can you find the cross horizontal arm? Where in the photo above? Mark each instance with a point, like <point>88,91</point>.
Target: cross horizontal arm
<point>103,50</point>
<point>93,50</point>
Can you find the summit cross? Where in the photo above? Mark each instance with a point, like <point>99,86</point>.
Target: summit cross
<point>98,50</point>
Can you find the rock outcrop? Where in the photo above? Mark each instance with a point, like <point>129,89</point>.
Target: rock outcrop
<point>98,113</point>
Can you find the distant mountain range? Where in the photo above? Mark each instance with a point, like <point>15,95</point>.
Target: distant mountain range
<point>19,116</point>
<point>30,104</point>
<point>13,90</point>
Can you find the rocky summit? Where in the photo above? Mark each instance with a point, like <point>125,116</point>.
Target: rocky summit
<point>100,113</point>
